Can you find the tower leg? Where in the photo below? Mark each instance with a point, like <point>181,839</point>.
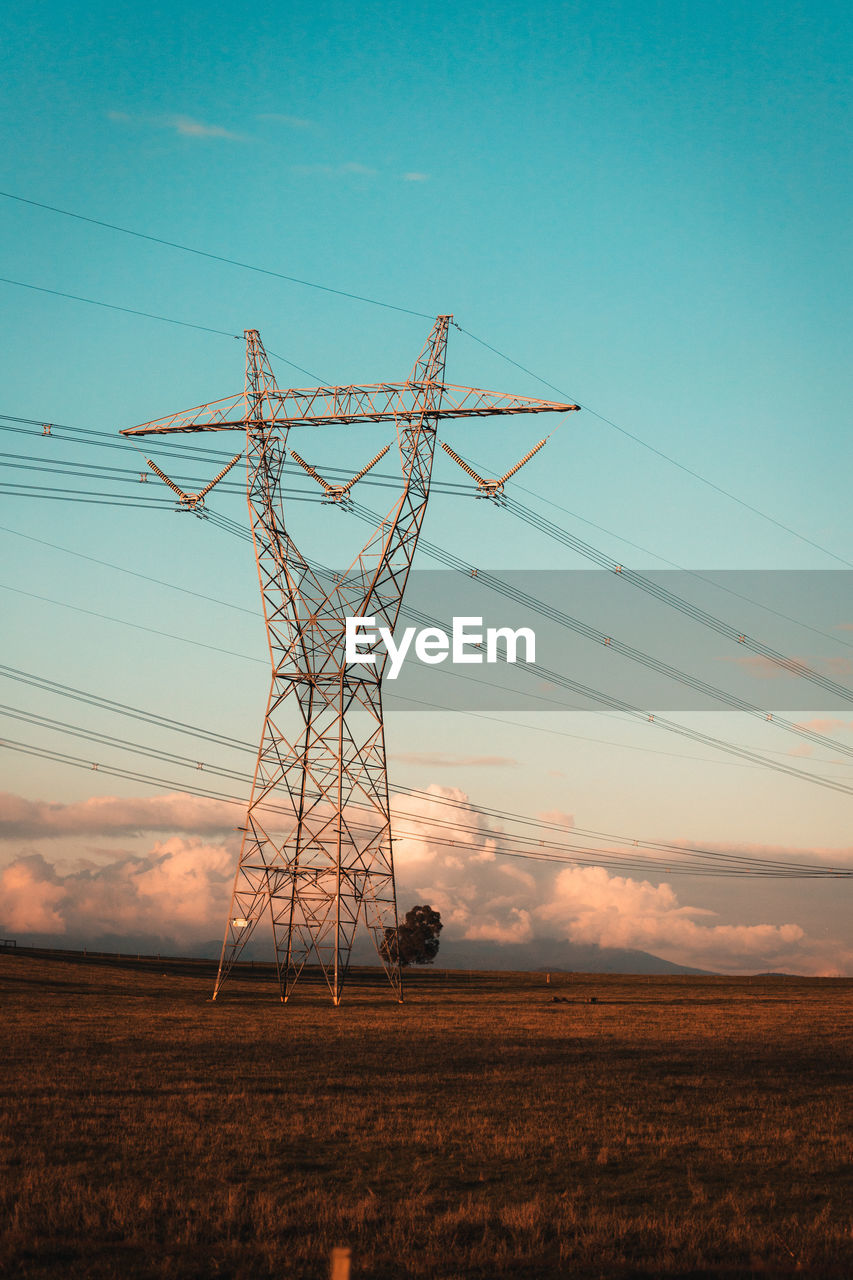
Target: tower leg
<point>317,852</point>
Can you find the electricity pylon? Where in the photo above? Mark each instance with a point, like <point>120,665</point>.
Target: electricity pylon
<point>316,853</point>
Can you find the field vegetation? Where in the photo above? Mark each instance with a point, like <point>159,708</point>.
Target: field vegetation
<point>632,1127</point>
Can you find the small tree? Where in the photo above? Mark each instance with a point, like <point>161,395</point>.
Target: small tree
<point>415,940</point>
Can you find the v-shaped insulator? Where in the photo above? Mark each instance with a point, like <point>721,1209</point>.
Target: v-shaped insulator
<point>337,492</point>
<point>199,497</point>
<point>519,465</point>
<point>491,488</point>
<point>464,465</point>
<point>192,500</point>
<point>184,497</point>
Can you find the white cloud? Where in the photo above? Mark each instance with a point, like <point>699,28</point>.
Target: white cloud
<point>414,176</point>
<point>185,126</point>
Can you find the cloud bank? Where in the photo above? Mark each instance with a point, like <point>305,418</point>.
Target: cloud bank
<point>110,815</point>
<point>177,891</point>
<point>451,858</point>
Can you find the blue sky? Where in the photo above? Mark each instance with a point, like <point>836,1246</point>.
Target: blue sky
<point>646,204</point>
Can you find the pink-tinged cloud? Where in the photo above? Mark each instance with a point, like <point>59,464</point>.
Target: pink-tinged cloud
<point>825,725</point>
<point>786,668</point>
<point>22,819</point>
<point>562,819</point>
<point>449,858</point>
<point>768,668</point>
<point>31,896</point>
<point>590,905</point>
<point>439,760</point>
<point>454,858</point>
<point>179,890</point>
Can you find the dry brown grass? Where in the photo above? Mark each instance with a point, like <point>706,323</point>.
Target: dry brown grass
<point>678,1127</point>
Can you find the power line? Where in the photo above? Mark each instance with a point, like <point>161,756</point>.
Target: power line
<point>675,601</point>
<point>496,584</point>
<point>147,315</point>
<point>218,257</point>
<point>553,677</point>
<point>662,668</point>
<point>703,862</point>
<point>113,306</point>
<point>660,453</point>
<point>534,669</point>
<point>173,586</point>
<point>198,733</point>
<point>693,573</point>
<point>380,479</point>
<point>133,573</point>
<point>137,626</point>
<point>711,484</point>
<point>449,488</point>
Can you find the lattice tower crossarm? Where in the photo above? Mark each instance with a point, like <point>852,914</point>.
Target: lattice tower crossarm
<point>316,855</point>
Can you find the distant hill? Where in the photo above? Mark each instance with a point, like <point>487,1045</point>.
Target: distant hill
<point>554,954</point>
<point>547,954</point>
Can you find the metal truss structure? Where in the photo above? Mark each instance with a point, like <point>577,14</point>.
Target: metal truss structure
<point>316,854</point>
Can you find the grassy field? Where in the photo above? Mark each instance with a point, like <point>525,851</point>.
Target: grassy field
<point>674,1127</point>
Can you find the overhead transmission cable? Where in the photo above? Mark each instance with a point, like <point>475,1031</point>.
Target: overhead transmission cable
<point>721,861</point>
<point>698,862</point>
<point>599,637</point>
<point>107,440</point>
<point>670,598</point>
<point>609,859</point>
<point>693,573</point>
<point>555,678</point>
<point>199,734</point>
<point>218,257</point>
<point>660,453</point>
<point>726,493</point>
<point>537,728</point>
<point>618,704</point>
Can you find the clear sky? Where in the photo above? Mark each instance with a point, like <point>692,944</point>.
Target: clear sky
<point>646,204</point>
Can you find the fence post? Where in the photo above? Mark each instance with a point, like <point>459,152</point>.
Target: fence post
<point>341,1258</point>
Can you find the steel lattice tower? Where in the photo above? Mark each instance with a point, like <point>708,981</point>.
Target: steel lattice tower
<point>316,854</point>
